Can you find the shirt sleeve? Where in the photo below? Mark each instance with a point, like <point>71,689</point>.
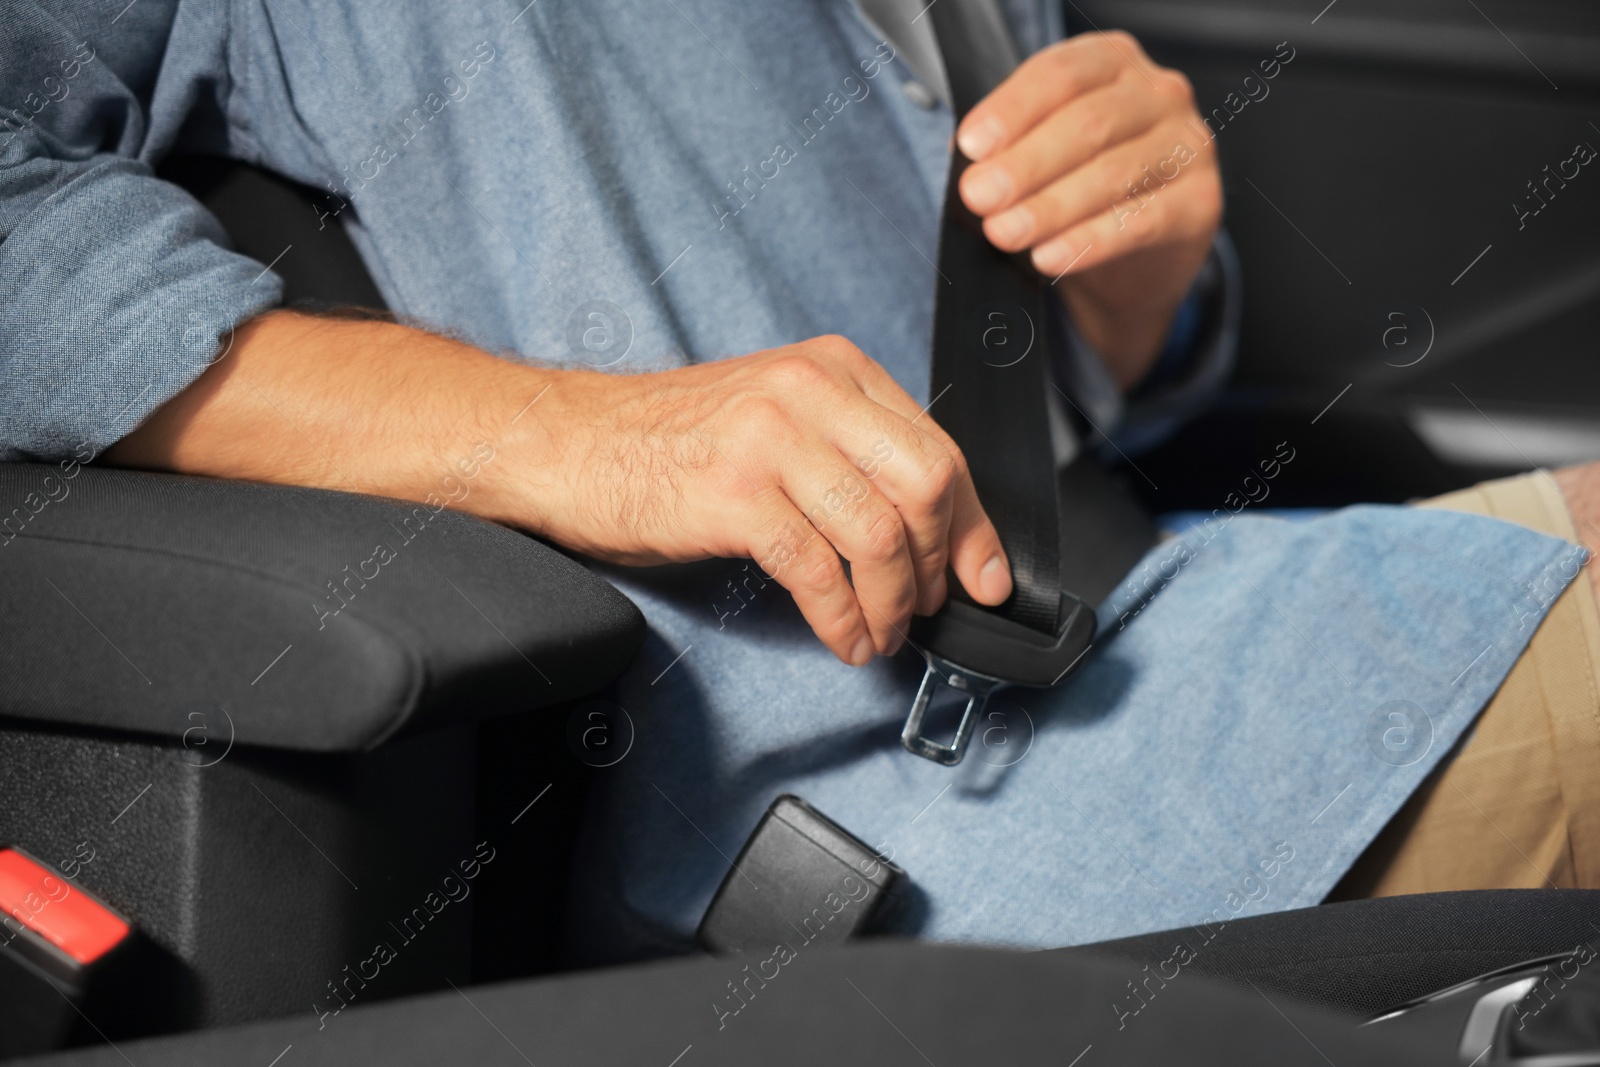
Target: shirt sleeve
<point>115,286</point>
<point>1190,372</point>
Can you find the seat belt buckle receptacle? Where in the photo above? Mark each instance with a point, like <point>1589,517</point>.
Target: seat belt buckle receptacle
<point>801,877</point>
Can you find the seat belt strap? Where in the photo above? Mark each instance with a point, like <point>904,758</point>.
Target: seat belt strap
<point>908,26</point>
<point>990,379</point>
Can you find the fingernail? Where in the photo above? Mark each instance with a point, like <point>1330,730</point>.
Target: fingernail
<point>977,139</point>
<point>861,655</point>
<point>1010,227</point>
<point>1051,258</point>
<point>985,188</point>
<point>994,581</point>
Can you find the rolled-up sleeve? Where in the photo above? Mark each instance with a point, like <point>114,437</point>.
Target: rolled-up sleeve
<point>116,287</point>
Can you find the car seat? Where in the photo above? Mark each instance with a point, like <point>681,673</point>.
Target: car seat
<point>263,808</point>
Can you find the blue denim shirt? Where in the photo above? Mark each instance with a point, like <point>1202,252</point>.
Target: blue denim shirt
<point>710,178</point>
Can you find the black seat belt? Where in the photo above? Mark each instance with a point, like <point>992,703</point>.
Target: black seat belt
<point>989,314</point>
<point>1073,529</point>
<point>990,381</point>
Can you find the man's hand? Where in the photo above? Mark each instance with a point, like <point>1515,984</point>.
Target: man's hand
<point>1095,158</point>
<point>794,457</point>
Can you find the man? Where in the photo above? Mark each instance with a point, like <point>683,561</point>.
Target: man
<point>750,195</point>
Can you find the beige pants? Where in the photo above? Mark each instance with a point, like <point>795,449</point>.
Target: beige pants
<point>1519,804</point>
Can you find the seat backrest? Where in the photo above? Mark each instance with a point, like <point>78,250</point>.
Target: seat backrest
<point>264,214</point>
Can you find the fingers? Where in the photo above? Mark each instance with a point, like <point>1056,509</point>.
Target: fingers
<point>1151,217</point>
<point>971,545</point>
<point>875,530</point>
<point>916,473</point>
<point>1064,140</point>
<point>1072,151</point>
<point>976,555</point>
<point>845,468</point>
<point>804,562</point>
<point>866,529</point>
<point>1045,80</point>
<point>1139,172</point>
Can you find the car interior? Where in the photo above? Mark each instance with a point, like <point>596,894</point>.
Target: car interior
<point>1415,319</point>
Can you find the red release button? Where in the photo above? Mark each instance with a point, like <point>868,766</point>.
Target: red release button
<point>61,913</point>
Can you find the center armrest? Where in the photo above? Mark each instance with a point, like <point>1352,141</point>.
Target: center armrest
<point>317,620</point>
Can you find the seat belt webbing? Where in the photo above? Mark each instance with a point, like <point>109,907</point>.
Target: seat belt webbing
<point>990,372</point>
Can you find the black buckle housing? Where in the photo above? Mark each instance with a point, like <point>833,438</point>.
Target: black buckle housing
<point>801,877</point>
<point>976,652</point>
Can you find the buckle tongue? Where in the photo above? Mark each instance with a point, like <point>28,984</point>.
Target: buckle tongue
<point>976,688</point>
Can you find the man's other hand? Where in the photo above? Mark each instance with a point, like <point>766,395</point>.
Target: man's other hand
<point>1095,159</point>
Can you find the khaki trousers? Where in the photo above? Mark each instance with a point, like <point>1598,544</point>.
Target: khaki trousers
<point>1519,804</point>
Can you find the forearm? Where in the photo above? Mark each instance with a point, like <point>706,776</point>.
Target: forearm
<point>1128,339</point>
<point>798,457</point>
<point>1125,310</point>
<point>363,406</point>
